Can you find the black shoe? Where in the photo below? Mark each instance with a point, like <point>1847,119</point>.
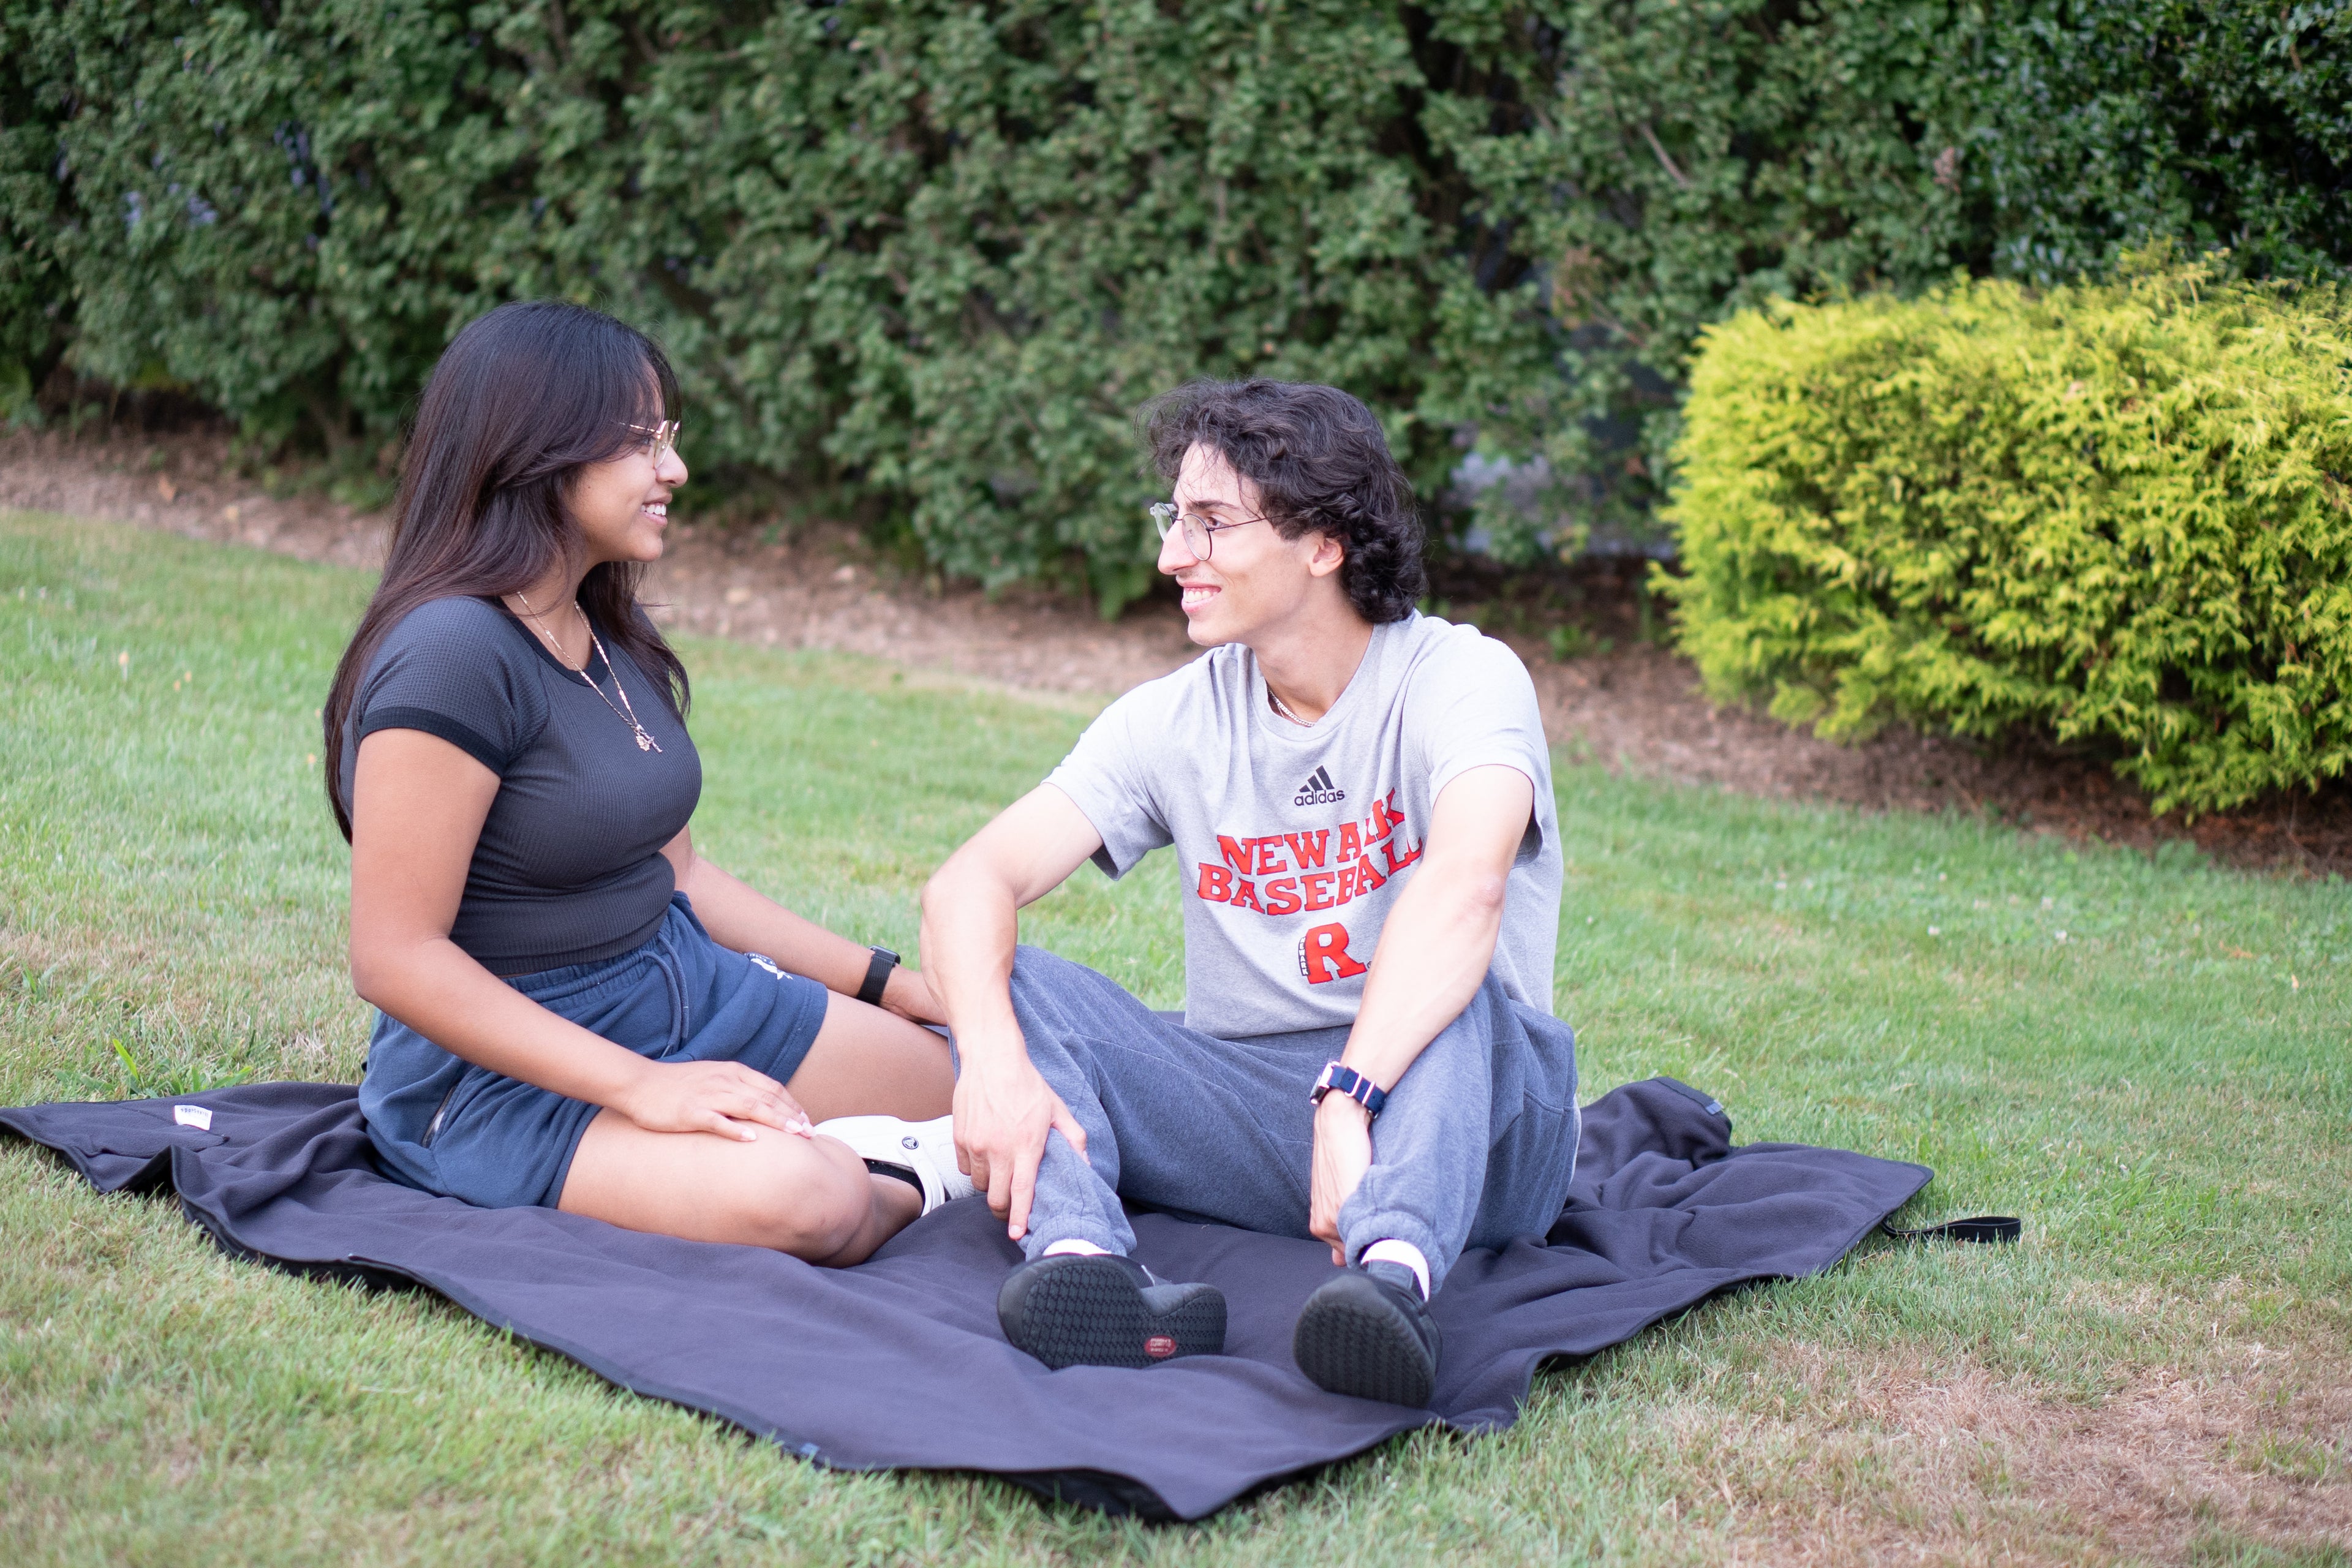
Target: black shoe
<point>1104,1311</point>
<point>1368,1333</point>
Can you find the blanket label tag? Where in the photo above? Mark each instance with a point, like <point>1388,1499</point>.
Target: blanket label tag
<point>199,1117</point>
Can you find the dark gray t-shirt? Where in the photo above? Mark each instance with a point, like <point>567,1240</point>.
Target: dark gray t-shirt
<point>1296,838</point>
<point>569,867</point>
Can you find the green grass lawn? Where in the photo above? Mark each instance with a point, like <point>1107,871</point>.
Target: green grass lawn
<point>2151,1060</point>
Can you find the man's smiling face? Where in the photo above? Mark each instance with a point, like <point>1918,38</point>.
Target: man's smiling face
<point>1254,578</point>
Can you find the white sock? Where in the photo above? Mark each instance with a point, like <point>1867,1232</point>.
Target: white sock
<point>1402,1252</point>
<point>1074,1248</point>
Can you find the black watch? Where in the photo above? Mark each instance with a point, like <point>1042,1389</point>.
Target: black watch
<point>878,976</point>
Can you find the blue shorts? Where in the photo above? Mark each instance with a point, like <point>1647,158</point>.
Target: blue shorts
<point>443,1124</point>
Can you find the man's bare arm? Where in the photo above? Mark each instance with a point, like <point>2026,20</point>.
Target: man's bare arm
<point>1435,947</point>
<point>971,922</point>
<point>1438,941</point>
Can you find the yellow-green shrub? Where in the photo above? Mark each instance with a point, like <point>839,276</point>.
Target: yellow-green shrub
<point>2116,514</point>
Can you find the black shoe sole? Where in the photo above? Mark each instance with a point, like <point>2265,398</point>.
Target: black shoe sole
<point>1090,1311</point>
<point>1351,1339</point>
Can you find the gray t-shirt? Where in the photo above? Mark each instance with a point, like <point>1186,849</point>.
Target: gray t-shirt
<point>1294,840</point>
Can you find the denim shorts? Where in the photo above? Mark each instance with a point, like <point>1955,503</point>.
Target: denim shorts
<point>443,1124</point>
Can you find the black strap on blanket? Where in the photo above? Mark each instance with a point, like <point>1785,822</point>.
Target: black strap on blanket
<point>1987,1229</point>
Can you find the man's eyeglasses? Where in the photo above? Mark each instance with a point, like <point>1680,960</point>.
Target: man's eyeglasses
<point>661,439</point>
<point>1200,534</point>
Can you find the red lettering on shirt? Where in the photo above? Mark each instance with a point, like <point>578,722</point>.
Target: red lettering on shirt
<point>1323,955</point>
<point>1272,875</point>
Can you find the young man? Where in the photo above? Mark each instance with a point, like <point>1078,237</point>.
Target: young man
<point>1360,797</point>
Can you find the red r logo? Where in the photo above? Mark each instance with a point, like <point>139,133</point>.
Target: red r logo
<point>1323,955</point>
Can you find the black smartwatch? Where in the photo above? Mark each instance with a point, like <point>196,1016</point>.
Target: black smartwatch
<point>878,976</point>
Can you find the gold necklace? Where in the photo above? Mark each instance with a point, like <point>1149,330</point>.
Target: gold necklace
<point>645,743</point>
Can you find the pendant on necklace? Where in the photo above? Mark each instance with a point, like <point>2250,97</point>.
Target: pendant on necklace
<point>646,742</point>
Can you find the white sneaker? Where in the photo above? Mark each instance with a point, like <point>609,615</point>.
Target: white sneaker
<point>925,1148</point>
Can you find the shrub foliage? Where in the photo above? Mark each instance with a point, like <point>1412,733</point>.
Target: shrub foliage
<point>925,255</point>
<point>2116,514</point>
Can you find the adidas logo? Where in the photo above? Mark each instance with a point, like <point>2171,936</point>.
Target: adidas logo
<point>1319,790</point>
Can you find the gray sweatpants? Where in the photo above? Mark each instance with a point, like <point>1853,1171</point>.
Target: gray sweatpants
<point>1476,1143</point>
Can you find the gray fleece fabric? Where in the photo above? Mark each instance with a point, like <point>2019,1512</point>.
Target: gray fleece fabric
<point>898,1364</point>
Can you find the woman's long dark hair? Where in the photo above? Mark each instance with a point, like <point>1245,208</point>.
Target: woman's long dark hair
<point>523,399</point>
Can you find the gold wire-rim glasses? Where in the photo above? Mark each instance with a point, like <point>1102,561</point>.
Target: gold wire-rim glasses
<point>661,439</point>
<point>1200,534</point>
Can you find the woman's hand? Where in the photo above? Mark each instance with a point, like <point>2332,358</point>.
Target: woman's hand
<point>1003,1110</point>
<point>1343,1152</point>
<point>725,1098</point>
<point>909,993</point>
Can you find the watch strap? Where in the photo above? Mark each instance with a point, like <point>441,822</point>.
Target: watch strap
<point>878,976</point>
<point>1346,1081</point>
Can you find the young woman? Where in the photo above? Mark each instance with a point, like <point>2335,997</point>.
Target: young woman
<point>576,1010</point>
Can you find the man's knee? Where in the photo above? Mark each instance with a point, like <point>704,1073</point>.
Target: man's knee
<point>1514,1046</point>
<point>1035,966</point>
<point>1039,976</point>
<point>1545,1046</point>
<point>1487,1026</point>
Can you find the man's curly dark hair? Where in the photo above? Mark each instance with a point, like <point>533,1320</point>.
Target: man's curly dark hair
<point>1320,463</point>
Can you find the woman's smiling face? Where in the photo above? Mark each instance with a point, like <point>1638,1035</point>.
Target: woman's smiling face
<point>622,505</point>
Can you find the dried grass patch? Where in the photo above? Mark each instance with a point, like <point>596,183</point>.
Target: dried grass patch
<point>1906,1461</point>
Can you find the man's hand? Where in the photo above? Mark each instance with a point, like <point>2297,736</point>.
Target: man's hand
<point>1435,948</point>
<point>1343,1152</point>
<point>725,1098</point>
<point>1004,1108</point>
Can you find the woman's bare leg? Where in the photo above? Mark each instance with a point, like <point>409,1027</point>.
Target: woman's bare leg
<point>867,1062</point>
<point>809,1197</point>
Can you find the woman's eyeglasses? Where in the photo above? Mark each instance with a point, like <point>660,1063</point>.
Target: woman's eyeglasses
<point>661,439</point>
<point>1200,534</point>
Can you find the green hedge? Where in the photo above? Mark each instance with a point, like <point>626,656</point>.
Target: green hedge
<point>928,256</point>
<point>1694,158</point>
<point>2119,515</point>
<point>921,258</point>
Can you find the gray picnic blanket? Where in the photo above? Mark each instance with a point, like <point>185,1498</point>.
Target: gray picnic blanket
<point>898,1364</point>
